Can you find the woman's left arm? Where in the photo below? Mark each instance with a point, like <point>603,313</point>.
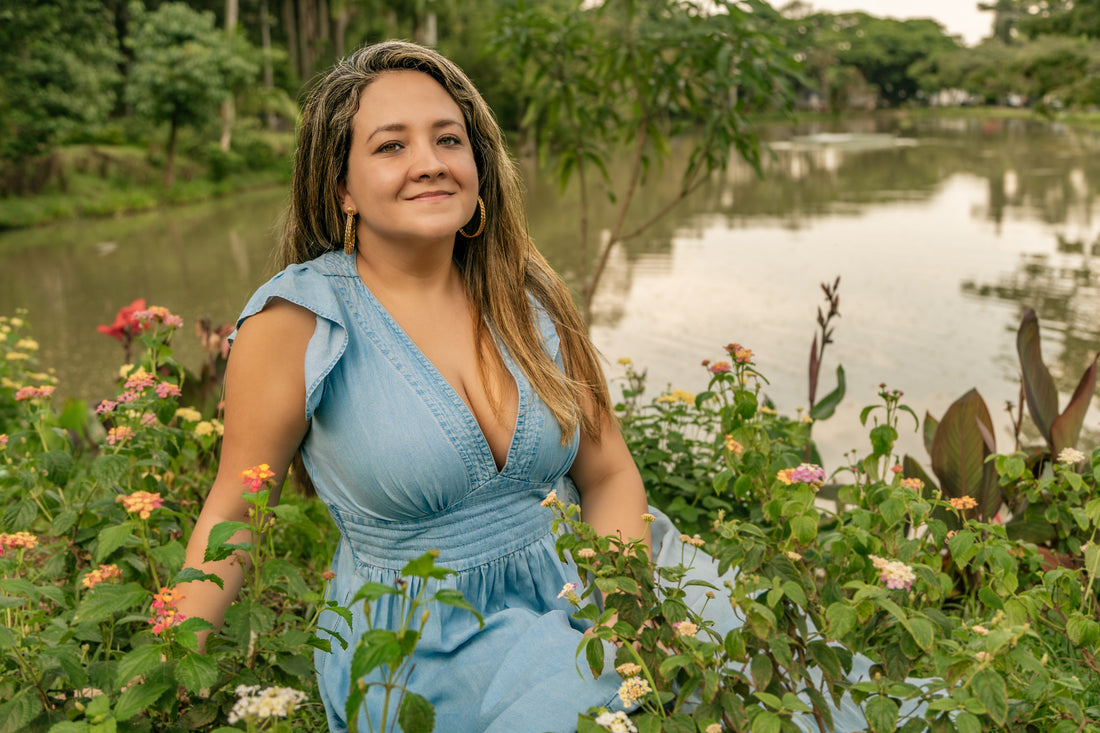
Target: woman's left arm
<point>612,495</point>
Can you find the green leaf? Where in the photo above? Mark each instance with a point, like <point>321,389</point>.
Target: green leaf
<point>761,670</point>
<point>112,538</point>
<point>425,567</point>
<point>104,600</point>
<point>826,406</point>
<point>197,672</point>
<point>593,653</point>
<point>139,697</point>
<point>1039,390</point>
<point>416,714</point>
<point>881,713</point>
<point>929,432</point>
<point>375,648</point>
<point>188,575</point>
<point>372,591</point>
<point>804,528</point>
<point>989,687</point>
<point>19,711</point>
<point>218,546</point>
<point>108,469</point>
<point>842,619</point>
<point>883,438</point>
<point>453,597</point>
<point>1066,428</point>
<point>766,722</point>
<point>143,660</point>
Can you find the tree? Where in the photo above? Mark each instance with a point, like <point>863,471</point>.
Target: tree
<point>183,68</point>
<point>57,77</point>
<point>631,74</point>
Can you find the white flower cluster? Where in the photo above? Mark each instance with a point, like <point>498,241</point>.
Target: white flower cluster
<point>616,722</point>
<point>272,702</point>
<point>1070,456</point>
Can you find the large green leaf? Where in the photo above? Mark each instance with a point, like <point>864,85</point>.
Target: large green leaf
<point>929,433</point>
<point>824,408</point>
<point>416,714</point>
<point>959,451</point>
<point>1039,390</point>
<point>1066,428</point>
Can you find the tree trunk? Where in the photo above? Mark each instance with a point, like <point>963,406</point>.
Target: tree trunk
<point>340,37</point>
<point>229,110</point>
<point>269,73</point>
<point>290,25</point>
<point>170,162</point>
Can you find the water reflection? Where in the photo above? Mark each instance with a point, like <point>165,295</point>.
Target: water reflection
<point>940,229</point>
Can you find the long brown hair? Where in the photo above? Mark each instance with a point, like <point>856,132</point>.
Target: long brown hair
<point>500,266</point>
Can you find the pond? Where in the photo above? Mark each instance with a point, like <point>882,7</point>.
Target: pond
<point>941,231</point>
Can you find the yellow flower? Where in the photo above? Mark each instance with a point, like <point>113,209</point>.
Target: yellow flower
<point>190,414</point>
<point>205,427</point>
<point>628,669</point>
<point>963,503</point>
<point>27,344</point>
<point>764,409</point>
<point>16,322</point>
<point>625,361</point>
<point>124,370</point>
<point>16,356</point>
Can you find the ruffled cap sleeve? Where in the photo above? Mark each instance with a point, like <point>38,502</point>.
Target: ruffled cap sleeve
<point>306,286</point>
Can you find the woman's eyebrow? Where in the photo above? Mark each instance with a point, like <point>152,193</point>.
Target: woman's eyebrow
<point>401,126</point>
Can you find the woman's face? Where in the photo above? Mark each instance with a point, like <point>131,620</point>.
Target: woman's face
<point>411,172</point>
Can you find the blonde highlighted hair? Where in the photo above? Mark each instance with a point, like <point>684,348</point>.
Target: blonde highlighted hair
<point>501,266</point>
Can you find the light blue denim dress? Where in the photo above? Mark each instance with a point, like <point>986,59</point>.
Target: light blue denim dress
<point>403,467</point>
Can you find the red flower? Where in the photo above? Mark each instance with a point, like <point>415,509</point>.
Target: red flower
<point>125,326</point>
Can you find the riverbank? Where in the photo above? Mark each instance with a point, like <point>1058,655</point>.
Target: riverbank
<point>94,181</point>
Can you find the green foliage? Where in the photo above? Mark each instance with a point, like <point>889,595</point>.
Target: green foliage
<point>59,72</point>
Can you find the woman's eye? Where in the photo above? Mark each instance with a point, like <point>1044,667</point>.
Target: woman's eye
<point>450,140</point>
<point>389,148</point>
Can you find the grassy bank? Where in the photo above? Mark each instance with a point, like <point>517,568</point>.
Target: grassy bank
<point>112,180</point>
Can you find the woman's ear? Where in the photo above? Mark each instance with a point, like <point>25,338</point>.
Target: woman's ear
<point>345,198</point>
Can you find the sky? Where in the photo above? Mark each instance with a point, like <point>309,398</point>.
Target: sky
<point>959,17</point>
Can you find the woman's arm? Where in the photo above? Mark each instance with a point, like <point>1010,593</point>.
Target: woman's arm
<point>612,495</point>
<point>264,423</point>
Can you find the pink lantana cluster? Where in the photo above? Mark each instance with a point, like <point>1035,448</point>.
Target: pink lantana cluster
<point>167,389</point>
<point>739,353</point>
<point>256,477</point>
<point>569,593</point>
<point>807,473</point>
<point>893,573</point>
<point>31,393</point>
<point>119,435</point>
<point>165,614</point>
<point>17,541</point>
<point>158,314</point>
<point>141,503</point>
<point>719,367</point>
<point>912,483</point>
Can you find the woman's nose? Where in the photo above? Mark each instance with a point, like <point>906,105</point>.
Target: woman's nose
<point>426,162</point>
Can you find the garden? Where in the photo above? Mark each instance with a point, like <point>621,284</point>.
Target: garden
<point>968,577</point>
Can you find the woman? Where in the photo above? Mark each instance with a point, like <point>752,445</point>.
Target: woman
<point>433,375</point>
<point>414,351</point>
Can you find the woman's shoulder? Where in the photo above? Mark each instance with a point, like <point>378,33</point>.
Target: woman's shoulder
<point>313,285</point>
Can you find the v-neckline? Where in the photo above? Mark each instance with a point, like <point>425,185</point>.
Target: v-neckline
<point>464,409</point>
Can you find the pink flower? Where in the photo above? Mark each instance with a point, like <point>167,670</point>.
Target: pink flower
<point>3,439</point>
<point>105,406</point>
<point>896,468</point>
<point>157,313</point>
<point>101,574</point>
<point>739,353</point>
<point>165,614</point>
<point>148,419</point>
<point>912,483</point>
<point>18,540</point>
<point>894,574</point>
<point>167,389</point>
<point>256,477</point>
<point>139,380</point>
<point>569,593</point>
<point>119,435</point>
<point>719,367</point>
<point>31,393</point>
<point>806,473</point>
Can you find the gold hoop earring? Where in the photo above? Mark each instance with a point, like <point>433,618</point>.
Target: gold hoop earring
<point>481,223</point>
<point>349,233</point>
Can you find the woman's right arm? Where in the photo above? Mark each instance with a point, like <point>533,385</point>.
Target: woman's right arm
<point>264,423</point>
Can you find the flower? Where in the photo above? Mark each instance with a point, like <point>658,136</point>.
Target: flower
<point>962,503</point>
<point>897,468</point>
<point>256,477</point>
<point>806,473</point>
<point>912,483</point>
<point>767,410</point>
<point>208,427</point>
<point>625,361</point>
<point>27,344</point>
<point>16,356</point>
<point>647,518</point>
<point>328,575</point>
<point>685,628</point>
<point>713,728</point>
<point>139,380</point>
<point>190,414</point>
<point>125,326</point>
<point>617,722</point>
<point>695,541</point>
<point>628,669</point>
<point>551,499</point>
<point>3,439</point>
<point>148,419</point>
<point>719,367</point>
<point>569,593</point>
<point>633,689</point>
<point>101,574</point>
<point>165,614</point>
<point>983,656</point>
<point>272,702</point>
<point>793,556</point>
<point>739,353</point>
<point>894,574</point>
<point>1070,456</point>
<point>733,446</point>
<point>586,553</point>
<point>105,406</point>
<point>979,629</point>
<point>119,435</point>
<point>155,313</point>
<point>141,503</point>
<point>17,540</point>
<point>31,393</point>
<point>678,395</point>
<point>167,389</point>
